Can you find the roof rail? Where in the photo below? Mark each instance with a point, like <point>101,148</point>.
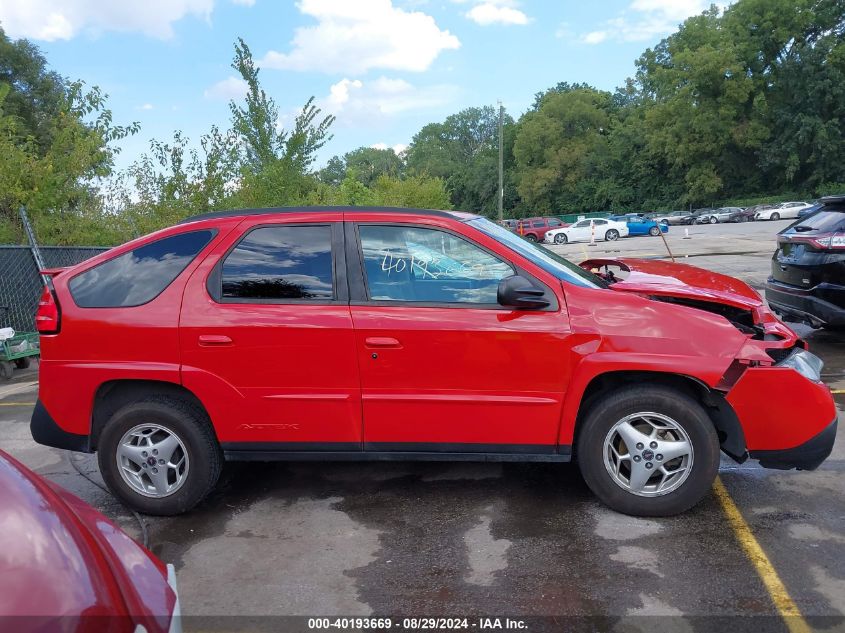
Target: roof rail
<point>273,210</point>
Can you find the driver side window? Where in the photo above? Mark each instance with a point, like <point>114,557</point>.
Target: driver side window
<point>408,263</point>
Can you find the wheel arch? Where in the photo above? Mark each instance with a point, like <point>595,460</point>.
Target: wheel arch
<point>114,394</point>
<point>718,409</point>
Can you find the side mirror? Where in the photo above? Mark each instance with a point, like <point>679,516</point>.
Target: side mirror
<point>519,293</point>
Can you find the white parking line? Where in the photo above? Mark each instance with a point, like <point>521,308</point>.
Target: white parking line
<point>7,391</point>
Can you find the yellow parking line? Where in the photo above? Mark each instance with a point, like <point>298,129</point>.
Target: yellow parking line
<point>17,404</point>
<point>786,607</point>
<point>837,391</point>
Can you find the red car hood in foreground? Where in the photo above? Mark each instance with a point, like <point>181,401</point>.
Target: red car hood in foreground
<point>64,566</point>
<point>666,279</point>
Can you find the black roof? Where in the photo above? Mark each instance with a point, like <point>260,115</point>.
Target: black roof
<point>837,199</point>
<point>275,210</point>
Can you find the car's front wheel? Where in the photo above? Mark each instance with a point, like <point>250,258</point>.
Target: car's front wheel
<point>775,216</point>
<point>159,455</point>
<point>560,238</point>
<point>612,235</point>
<point>654,231</point>
<point>648,451</point>
<point>714,219</point>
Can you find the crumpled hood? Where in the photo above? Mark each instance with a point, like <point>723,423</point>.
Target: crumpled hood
<point>653,278</point>
<point>661,278</point>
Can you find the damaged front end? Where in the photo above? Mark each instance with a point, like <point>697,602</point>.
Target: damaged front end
<point>684,285</point>
<point>773,385</point>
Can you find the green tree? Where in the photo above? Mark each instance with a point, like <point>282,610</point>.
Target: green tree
<point>558,149</point>
<point>56,176</point>
<point>175,180</point>
<point>276,162</point>
<point>35,93</point>
<point>370,163</point>
<point>334,172</point>
<point>463,150</point>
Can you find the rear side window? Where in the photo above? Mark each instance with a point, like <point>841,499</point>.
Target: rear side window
<point>139,276</point>
<point>279,263</point>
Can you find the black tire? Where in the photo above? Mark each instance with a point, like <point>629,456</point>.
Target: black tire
<point>775,216</point>
<point>654,231</point>
<point>612,235</point>
<point>687,413</point>
<point>22,363</point>
<point>192,427</point>
<point>531,238</point>
<point>561,238</point>
<point>6,369</point>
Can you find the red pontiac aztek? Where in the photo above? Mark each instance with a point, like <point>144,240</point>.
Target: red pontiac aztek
<point>373,334</point>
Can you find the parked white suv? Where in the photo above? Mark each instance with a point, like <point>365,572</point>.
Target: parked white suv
<point>782,211</point>
<point>584,230</point>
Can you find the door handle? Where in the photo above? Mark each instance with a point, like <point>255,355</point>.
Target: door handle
<point>381,342</point>
<point>214,340</point>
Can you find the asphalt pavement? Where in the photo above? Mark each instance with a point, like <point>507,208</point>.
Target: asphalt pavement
<point>515,540</point>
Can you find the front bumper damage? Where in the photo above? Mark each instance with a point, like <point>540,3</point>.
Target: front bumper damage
<point>786,418</point>
<point>806,456</point>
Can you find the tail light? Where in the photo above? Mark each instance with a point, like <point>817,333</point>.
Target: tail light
<point>827,241</point>
<point>48,317</point>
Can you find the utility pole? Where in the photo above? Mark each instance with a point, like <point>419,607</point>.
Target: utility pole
<point>501,163</point>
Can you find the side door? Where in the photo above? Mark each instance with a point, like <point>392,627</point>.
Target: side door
<point>637,226</point>
<point>267,340</point>
<point>443,366</point>
<point>579,231</point>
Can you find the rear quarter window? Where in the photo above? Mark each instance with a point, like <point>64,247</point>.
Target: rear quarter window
<point>139,276</point>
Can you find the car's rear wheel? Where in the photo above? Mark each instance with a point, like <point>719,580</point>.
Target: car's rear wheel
<point>612,235</point>
<point>654,231</point>
<point>648,451</point>
<point>560,238</point>
<point>159,455</point>
<point>775,216</point>
<point>531,238</point>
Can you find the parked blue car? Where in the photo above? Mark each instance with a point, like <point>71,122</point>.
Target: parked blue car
<point>638,225</point>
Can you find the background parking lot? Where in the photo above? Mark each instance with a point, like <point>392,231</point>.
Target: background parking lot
<point>501,539</point>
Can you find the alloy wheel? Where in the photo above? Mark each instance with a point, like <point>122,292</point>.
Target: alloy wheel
<point>648,454</point>
<point>152,460</point>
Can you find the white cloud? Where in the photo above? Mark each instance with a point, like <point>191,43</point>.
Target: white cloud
<point>595,37</point>
<point>51,20</point>
<point>229,88</point>
<point>353,37</point>
<point>489,13</point>
<point>357,102</point>
<point>397,149</point>
<point>244,3</point>
<point>646,20</point>
<point>564,31</point>
<point>145,106</point>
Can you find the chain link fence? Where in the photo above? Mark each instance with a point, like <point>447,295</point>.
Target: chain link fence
<point>21,285</point>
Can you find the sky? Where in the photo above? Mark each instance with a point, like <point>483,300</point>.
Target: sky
<point>384,68</point>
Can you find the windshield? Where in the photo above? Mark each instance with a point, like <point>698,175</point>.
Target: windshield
<point>821,220</point>
<point>552,263</point>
